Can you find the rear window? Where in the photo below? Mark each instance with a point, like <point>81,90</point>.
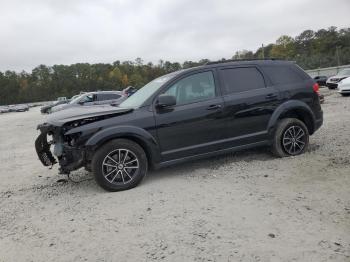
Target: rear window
<point>241,79</point>
<point>280,75</point>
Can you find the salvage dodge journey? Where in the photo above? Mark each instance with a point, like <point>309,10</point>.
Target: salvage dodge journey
<point>186,115</point>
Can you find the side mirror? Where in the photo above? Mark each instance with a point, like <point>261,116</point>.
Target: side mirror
<point>81,103</point>
<point>166,101</point>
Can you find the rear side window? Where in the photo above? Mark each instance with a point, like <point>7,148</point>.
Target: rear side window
<point>102,97</point>
<point>241,79</point>
<point>280,75</point>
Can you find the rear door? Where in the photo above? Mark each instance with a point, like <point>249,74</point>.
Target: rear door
<point>249,103</point>
<point>292,82</point>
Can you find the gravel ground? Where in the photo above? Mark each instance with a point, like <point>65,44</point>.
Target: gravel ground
<point>246,206</point>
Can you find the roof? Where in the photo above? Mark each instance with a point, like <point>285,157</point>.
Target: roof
<point>270,61</point>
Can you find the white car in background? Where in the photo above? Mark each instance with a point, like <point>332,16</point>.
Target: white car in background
<point>333,81</point>
<point>344,87</point>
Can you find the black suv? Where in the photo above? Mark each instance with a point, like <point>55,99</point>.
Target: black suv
<point>185,115</point>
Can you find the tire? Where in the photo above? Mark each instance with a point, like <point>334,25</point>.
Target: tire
<point>126,158</point>
<point>283,143</point>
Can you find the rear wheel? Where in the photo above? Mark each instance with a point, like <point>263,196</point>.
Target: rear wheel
<point>291,138</point>
<point>120,164</point>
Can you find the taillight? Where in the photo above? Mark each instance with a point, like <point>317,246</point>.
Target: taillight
<point>316,88</point>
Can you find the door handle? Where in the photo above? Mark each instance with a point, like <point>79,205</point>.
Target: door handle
<point>213,107</point>
<point>270,96</point>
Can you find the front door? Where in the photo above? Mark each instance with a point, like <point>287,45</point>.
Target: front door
<point>194,125</point>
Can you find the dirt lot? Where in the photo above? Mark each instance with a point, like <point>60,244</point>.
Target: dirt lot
<point>247,206</point>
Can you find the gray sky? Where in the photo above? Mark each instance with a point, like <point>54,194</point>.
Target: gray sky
<point>51,32</point>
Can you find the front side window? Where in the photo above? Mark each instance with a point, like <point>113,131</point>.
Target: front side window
<point>87,98</point>
<point>241,79</point>
<point>193,88</point>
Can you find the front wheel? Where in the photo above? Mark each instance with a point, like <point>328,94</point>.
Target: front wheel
<point>291,138</point>
<point>119,165</point>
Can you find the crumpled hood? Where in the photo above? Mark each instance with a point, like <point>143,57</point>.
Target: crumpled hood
<point>75,113</point>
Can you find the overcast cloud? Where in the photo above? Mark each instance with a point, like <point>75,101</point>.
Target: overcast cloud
<point>51,32</point>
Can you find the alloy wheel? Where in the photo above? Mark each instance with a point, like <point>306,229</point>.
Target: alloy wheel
<point>294,140</point>
<point>120,166</point>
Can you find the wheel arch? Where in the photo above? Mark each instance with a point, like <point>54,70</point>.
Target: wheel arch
<point>293,109</point>
<point>135,134</point>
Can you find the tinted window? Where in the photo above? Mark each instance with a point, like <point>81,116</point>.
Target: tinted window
<point>193,88</point>
<point>241,79</point>
<point>282,74</point>
<point>102,97</point>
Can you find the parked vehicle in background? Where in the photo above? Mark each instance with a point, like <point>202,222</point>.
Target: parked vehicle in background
<point>185,115</point>
<point>12,108</point>
<point>62,98</point>
<point>18,108</point>
<point>344,87</point>
<point>130,90</point>
<point>332,82</point>
<point>321,80</point>
<point>4,109</point>
<point>47,108</point>
<point>93,98</point>
<point>21,108</point>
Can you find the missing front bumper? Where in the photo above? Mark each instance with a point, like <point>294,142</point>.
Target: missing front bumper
<point>68,157</point>
<point>42,148</point>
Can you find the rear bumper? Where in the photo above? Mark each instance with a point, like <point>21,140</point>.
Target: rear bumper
<point>318,121</point>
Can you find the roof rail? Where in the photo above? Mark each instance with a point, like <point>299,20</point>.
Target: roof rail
<point>238,60</point>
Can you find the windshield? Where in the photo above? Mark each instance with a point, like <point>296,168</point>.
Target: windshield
<point>74,97</point>
<point>137,99</point>
<point>344,72</point>
<point>75,100</point>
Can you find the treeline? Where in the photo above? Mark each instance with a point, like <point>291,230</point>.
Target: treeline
<point>310,49</point>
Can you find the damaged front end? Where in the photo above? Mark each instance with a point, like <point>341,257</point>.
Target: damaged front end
<point>63,137</point>
<point>68,155</point>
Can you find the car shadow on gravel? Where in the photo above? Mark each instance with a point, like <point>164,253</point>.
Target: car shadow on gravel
<point>211,163</point>
<point>83,180</point>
